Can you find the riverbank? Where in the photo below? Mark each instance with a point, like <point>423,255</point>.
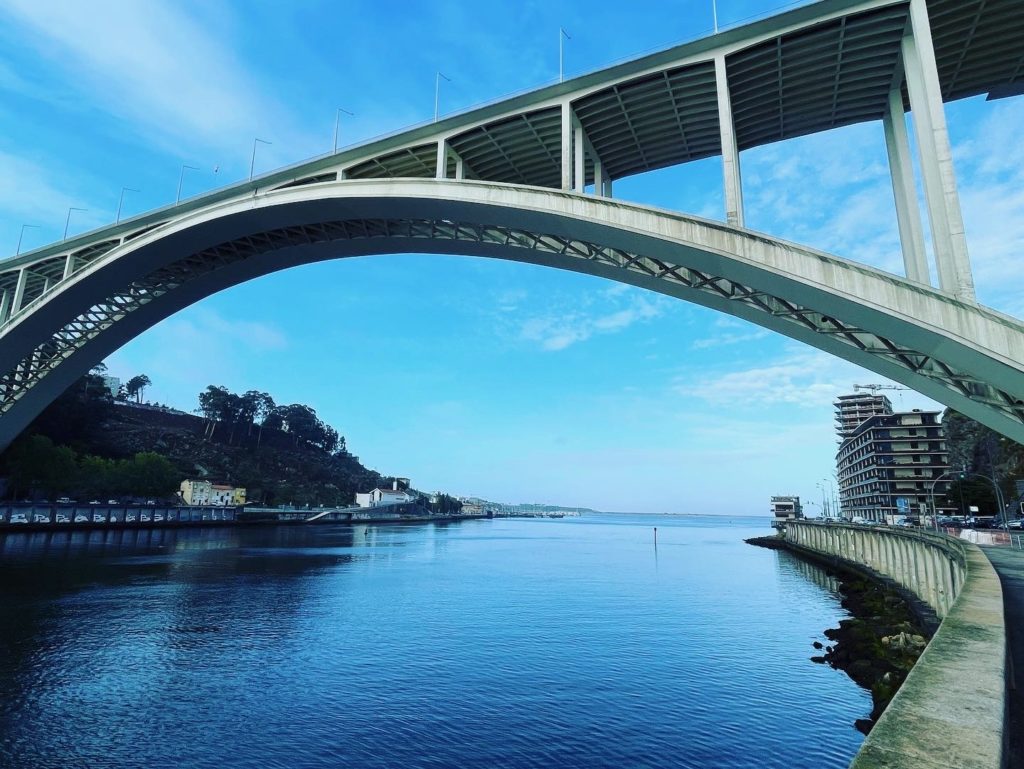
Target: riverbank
<point>880,642</point>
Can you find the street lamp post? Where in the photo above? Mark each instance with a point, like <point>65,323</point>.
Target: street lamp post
<point>22,235</point>
<point>120,201</point>
<point>562,37</point>
<point>337,122</point>
<point>67,221</point>
<point>437,92</point>
<point>181,178</point>
<point>252,161</point>
<point>931,494</point>
<point>824,501</point>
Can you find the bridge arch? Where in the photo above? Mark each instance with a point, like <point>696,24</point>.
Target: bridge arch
<point>958,353</point>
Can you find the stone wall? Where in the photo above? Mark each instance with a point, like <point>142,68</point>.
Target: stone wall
<point>951,710</point>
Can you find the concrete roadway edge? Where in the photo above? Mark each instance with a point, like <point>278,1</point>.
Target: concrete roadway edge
<point>950,712</point>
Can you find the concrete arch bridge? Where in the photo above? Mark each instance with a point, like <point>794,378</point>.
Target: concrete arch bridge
<point>530,179</point>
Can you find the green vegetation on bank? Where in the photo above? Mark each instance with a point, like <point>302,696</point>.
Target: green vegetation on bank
<point>987,456</point>
<point>89,445</point>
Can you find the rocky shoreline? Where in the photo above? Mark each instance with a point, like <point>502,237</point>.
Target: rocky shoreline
<point>878,645</point>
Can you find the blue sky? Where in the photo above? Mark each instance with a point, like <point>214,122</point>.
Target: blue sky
<point>508,381</point>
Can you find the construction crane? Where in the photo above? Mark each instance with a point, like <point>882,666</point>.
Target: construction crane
<point>876,387</point>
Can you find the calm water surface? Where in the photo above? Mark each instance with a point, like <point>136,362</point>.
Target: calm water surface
<point>506,643</point>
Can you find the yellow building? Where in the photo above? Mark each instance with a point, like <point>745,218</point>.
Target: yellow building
<point>239,496</point>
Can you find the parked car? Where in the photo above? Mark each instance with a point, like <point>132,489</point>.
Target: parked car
<point>99,518</point>
<point>81,518</point>
<point>40,518</point>
<point>158,516</point>
<point>144,517</point>
<point>129,518</point>
<point>63,518</point>
<point>18,518</point>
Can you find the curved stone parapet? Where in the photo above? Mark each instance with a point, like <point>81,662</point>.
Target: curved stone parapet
<point>951,710</point>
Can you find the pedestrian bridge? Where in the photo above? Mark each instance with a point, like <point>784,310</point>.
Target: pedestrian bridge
<point>530,179</point>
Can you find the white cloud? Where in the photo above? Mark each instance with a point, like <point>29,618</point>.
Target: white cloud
<point>802,378</point>
<point>152,65</point>
<point>26,196</point>
<point>618,310</point>
<point>195,348</point>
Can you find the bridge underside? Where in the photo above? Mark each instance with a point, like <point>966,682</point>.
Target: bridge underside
<point>903,332</point>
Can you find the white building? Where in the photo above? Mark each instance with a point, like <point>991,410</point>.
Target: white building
<point>379,497</point>
<point>196,492</point>
<point>221,494</point>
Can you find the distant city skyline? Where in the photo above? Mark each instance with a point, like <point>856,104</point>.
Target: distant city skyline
<point>506,381</point>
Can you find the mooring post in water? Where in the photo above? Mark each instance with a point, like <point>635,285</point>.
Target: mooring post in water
<point>655,536</point>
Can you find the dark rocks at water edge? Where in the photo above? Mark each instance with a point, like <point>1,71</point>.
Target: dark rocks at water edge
<point>772,543</point>
<point>878,645</point>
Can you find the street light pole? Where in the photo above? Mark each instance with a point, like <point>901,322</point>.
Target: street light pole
<point>562,37</point>
<point>120,201</point>
<point>437,92</point>
<point>931,494</point>
<point>33,226</point>
<point>68,220</point>
<point>181,178</point>
<point>337,123</point>
<point>252,161</point>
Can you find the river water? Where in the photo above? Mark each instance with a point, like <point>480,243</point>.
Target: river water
<point>508,643</point>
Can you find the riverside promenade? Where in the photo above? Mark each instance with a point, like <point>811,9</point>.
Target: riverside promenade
<point>1009,565</point>
<point>951,711</point>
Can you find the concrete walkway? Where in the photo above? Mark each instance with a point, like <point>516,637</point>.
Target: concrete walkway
<point>1009,564</point>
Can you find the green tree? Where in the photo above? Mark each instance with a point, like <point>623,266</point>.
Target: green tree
<point>149,474</point>
<point>35,465</point>
<point>136,386</point>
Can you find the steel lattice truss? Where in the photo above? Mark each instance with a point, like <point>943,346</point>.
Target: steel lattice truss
<point>77,333</point>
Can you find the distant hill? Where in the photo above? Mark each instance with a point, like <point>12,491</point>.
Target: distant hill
<point>274,465</point>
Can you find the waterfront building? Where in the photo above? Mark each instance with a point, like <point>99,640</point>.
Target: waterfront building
<point>785,508</point>
<point>197,492</point>
<point>853,410</point>
<point>891,465</point>
<point>378,496</point>
<point>221,494</point>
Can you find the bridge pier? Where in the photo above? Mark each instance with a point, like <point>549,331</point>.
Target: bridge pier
<point>936,157</point>
<point>730,150</point>
<point>908,213</point>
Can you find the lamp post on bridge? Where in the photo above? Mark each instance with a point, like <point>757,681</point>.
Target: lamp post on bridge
<point>67,221</point>
<point>437,92</point>
<point>337,122</point>
<point>252,160</point>
<point>22,235</point>
<point>120,201</point>
<point>562,37</point>
<point>181,178</point>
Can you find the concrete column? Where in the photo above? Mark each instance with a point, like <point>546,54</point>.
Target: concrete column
<point>579,161</point>
<point>948,237</point>
<point>5,304</point>
<point>460,168</point>
<point>908,213</point>
<point>730,152</point>
<point>566,146</point>
<point>442,159</point>
<point>608,187</point>
<point>19,291</point>
<point>69,266</point>
<point>598,177</point>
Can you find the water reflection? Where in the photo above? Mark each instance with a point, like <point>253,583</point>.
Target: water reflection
<point>488,643</point>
